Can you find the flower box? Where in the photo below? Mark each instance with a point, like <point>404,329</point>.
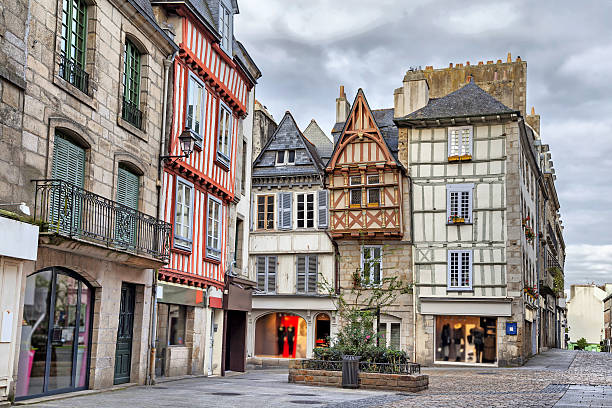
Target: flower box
<point>453,219</point>
<point>464,157</point>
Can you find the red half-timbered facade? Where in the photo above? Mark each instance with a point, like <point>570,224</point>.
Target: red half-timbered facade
<point>210,98</point>
<point>364,179</point>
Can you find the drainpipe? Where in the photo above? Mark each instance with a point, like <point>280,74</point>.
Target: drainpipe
<point>162,148</point>
<point>414,296</point>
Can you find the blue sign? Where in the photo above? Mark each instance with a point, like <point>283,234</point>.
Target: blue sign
<point>511,328</point>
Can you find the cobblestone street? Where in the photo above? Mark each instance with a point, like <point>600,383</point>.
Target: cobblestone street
<point>555,378</point>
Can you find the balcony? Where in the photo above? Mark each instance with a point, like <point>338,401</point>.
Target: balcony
<point>71,72</point>
<point>131,113</point>
<point>70,211</point>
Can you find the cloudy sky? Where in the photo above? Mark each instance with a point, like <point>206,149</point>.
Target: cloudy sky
<point>307,48</point>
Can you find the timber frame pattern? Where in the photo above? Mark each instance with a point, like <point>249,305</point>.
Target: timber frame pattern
<point>362,161</point>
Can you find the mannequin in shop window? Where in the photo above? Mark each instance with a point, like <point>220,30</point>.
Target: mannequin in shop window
<point>457,339</point>
<point>478,337</point>
<point>290,339</point>
<point>446,340</point>
<point>282,336</point>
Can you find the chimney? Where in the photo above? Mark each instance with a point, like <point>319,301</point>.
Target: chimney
<point>343,108</point>
<point>413,95</point>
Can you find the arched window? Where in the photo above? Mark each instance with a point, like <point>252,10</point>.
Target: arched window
<point>131,85</point>
<point>56,333</point>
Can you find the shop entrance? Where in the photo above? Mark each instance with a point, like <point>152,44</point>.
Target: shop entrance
<point>55,335</point>
<point>322,330</point>
<point>281,335</point>
<point>466,339</point>
<point>235,341</point>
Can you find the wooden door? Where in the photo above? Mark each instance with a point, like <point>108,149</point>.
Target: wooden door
<point>123,351</point>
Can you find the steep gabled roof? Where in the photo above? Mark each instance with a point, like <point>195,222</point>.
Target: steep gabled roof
<point>287,137</point>
<point>470,100</point>
<point>316,136</point>
<point>382,122</point>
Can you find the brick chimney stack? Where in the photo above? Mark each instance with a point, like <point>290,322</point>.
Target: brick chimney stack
<point>343,107</point>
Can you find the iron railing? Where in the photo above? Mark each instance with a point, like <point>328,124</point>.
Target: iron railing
<point>364,366</point>
<point>71,211</point>
<point>70,71</point>
<point>326,365</point>
<point>131,113</point>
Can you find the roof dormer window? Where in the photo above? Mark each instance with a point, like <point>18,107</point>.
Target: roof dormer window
<point>285,157</point>
<point>225,28</point>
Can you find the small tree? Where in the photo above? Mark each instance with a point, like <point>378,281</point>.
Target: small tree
<point>581,344</point>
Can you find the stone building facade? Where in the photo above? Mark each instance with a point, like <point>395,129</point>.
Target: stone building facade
<point>92,124</point>
<point>264,127</point>
<point>291,253</point>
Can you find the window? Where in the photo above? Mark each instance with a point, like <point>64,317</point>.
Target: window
<point>131,85</point>
<point>213,228</point>
<point>391,341</point>
<point>285,157</point>
<point>195,108</point>
<point>459,270</point>
<point>323,213</point>
<point>183,214</point>
<point>176,325</point>
<point>266,273</point>
<point>355,197</point>
<point>373,197</point>
<point>460,143</point>
<point>128,185</point>
<point>459,203</point>
<point>307,266</point>
<point>74,34</point>
<point>245,163</point>
<point>284,210</point>
<point>305,210</point>
<point>373,179</point>
<point>371,265</point>
<point>239,243</point>
<point>224,140</point>
<point>68,166</point>
<point>265,212</point>
<point>225,28</point>
<point>355,180</point>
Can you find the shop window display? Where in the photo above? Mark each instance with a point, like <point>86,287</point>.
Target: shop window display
<point>280,335</point>
<point>322,330</point>
<point>466,339</point>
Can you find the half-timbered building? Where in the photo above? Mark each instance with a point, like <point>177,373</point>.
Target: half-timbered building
<point>290,249</point>
<point>369,210</point>
<point>213,93</point>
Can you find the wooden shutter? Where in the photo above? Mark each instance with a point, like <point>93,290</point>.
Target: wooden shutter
<point>394,342</point>
<point>68,162</point>
<point>301,273</point>
<point>127,188</point>
<point>312,274</point>
<point>271,284</point>
<point>323,213</point>
<point>261,273</point>
<point>284,210</point>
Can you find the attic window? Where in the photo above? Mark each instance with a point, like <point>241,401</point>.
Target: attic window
<point>285,157</point>
<point>225,27</point>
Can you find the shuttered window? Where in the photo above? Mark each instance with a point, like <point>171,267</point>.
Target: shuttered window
<point>284,210</point>
<point>69,166</point>
<point>459,270</point>
<point>460,143</point>
<point>459,203</point>
<point>265,212</point>
<point>224,137</point>
<point>127,195</point>
<point>371,265</point>
<point>213,228</point>
<point>195,108</point>
<point>323,213</point>
<point>266,273</point>
<point>183,214</point>
<point>305,210</point>
<point>394,341</point>
<point>307,273</point>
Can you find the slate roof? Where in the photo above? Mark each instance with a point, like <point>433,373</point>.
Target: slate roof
<point>470,100</point>
<point>316,136</point>
<point>145,9</point>
<point>384,120</point>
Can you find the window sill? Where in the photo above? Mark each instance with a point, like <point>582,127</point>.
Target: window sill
<point>463,158</point>
<point>222,162</point>
<point>139,133</point>
<point>181,250</point>
<point>75,92</point>
<point>453,289</point>
<point>459,223</point>
<point>212,260</point>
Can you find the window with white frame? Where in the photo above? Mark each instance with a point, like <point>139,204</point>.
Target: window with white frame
<point>305,210</point>
<point>225,27</point>
<point>460,143</point>
<point>355,180</point>
<point>307,271</point>
<point>285,157</point>
<point>459,270</point>
<point>373,179</point>
<point>224,138</point>
<point>371,265</point>
<point>266,273</point>
<point>195,108</point>
<point>213,228</point>
<point>459,203</point>
<point>183,214</point>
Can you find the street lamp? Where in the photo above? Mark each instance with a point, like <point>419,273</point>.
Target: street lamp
<point>186,141</point>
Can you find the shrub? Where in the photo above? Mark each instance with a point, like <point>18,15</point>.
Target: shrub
<point>581,344</point>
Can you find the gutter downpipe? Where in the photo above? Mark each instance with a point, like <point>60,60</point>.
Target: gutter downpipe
<point>414,295</point>
<point>162,147</point>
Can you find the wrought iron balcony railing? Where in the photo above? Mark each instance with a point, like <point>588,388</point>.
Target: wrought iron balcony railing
<point>70,71</point>
<point>71,211</point>
<point>131,113</point>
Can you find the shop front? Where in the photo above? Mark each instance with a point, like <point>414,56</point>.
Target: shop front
<point>280,335</point>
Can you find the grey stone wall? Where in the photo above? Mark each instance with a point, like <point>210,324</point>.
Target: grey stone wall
<point>264,127</point>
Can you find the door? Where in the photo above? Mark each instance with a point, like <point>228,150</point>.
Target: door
<point>123,351</point>
<point>69,167</point>
<point>235,355</point>
<point>127,196</point>
<point>211,341</point>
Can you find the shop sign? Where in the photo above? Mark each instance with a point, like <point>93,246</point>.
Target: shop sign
<point>511,328</point>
